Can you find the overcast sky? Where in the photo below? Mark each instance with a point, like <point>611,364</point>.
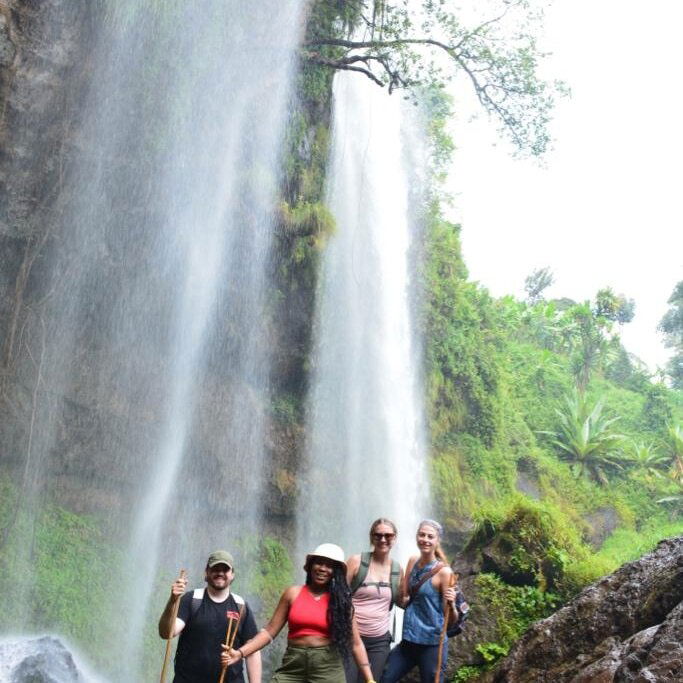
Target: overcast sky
<point>608,209</point>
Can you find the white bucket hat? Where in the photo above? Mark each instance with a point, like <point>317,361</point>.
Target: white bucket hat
<point>329,551</point>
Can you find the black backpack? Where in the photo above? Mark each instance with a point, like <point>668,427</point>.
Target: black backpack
<point>463,608</point>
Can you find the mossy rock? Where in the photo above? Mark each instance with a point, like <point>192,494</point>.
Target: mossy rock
<point>528,544</point>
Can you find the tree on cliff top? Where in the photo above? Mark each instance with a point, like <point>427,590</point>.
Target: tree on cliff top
<point>409,44</point>
<point>671,326</point>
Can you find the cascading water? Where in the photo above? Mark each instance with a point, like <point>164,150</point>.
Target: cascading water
<point>164,226</point>
<point>366,447</point>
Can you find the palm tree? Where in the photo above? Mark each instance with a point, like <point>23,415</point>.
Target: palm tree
<point>586,439</point>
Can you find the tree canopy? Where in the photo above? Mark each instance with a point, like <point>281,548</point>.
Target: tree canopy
<point>402,44</point>
<point>671,327</point>
<point>537,282</point>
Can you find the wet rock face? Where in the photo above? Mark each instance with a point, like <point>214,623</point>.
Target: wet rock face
<point>626,627</point>
<point>41,45</point>
<point>39,660</point>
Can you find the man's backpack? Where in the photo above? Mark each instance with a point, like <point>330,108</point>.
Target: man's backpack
<point>362,572</point>
<point>198,596</point>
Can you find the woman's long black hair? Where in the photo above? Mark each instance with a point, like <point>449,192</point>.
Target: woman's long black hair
<point>339,611</point>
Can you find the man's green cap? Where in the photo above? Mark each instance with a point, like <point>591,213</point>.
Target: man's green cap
<point>220,557</point>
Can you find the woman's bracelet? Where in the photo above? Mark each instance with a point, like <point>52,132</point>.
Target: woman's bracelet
<point>268,634</point>
<point>239,649</point>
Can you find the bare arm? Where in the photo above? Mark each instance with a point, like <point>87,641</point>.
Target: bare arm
<point>169,625</point>
<point>359,653</point>
<point>404,592</point>
<point>444,585</point>
<point>265,635</point>
<point>254,667</point>
<point>402,580</point>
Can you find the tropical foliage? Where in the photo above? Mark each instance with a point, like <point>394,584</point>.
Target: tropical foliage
<point>585,437</point>
<point>646,460</point>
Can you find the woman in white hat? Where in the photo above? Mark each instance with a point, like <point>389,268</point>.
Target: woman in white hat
<point>322,629</point>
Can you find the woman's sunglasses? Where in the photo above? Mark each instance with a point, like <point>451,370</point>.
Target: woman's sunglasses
<point>379,537</point>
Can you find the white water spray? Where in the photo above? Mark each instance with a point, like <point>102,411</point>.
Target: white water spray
<point>366,451</point>
<point>156,316</point>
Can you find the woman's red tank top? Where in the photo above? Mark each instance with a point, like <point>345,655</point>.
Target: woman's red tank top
<point>307,616</point>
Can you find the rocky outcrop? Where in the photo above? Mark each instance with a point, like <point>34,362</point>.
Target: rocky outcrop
<point>626,627</point>
<point>37,660</point>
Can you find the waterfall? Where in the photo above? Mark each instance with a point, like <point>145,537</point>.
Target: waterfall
<point>366,450</point>
<point>164,229</point>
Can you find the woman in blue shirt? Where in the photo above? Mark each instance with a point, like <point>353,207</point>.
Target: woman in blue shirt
<point>425,587</point>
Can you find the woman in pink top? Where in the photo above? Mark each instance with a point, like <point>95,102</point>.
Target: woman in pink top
<point>322,630</point>
<point>375,581</point>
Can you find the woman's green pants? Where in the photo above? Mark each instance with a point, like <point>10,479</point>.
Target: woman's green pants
<point>310,664</point>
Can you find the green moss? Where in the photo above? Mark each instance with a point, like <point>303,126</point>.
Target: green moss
<point>274,572</point>
<point>467,673</point>
<point>307,218</point>
<point>514,608</point>
<point>534,541</point>
<point>60,564</point>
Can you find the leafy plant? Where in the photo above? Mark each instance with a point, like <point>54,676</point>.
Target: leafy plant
<point>466,673</point>
<point>491,652</point>
<point>676,446</point>
<point>646,460</point>
<point>586,439</point>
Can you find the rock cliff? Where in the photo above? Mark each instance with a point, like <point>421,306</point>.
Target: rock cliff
<point>626,627</point>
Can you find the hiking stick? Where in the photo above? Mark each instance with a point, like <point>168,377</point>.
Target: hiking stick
<point>167,656</point>
<point>233,625</point>
<point>451,582</point>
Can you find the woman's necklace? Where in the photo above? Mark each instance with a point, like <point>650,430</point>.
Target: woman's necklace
<point>316,596</point>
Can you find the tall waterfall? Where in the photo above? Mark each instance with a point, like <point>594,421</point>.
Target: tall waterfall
<point>164,234</point>
<point>366,447</point>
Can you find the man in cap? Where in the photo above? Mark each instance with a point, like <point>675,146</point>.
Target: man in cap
<point>202,623</point>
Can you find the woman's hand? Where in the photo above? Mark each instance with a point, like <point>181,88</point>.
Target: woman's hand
<point>449,594</point>
<point>230,656</point>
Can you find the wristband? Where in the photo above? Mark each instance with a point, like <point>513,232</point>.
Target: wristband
<point>239,649</point>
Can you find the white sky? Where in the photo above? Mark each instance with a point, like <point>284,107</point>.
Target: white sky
<point>607,210</point>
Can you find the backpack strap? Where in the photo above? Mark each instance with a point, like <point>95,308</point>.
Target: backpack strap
<point>394,581</point>
<point>432,572</point>
<point>361,573</point>
<point>197,597</point>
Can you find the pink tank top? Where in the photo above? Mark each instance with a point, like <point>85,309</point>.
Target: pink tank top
<point>372,603</point>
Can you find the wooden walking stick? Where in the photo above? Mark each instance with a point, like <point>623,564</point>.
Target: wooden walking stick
<point>234,619</point>
<point>167,656</point>
<point>446,611</point>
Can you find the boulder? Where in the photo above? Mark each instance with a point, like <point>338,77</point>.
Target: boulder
<point>628,626</point>
<point>37,660</point>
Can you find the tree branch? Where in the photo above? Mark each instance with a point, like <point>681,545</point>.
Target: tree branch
<point>340,64</point>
